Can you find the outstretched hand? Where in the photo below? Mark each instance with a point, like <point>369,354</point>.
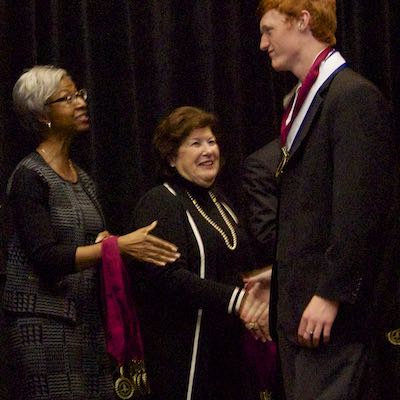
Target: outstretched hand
<point>143,246</point>
<point>101,236</point>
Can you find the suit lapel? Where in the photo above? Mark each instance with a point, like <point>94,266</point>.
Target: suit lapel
<point>312,113</point>
<point>307,122</point>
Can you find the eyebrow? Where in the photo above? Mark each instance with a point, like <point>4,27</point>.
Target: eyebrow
<point>264,28</point>
<point>71,90</point>
<point>200,138</point>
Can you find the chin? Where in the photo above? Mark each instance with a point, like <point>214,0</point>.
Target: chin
<point>276,66</point>
<point>207,182</point>
<point>83,128</point>
<point>278,63</point>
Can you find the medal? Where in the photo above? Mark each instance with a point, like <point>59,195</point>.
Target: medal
<point>394,337</point>
<point>138,376</point>
<point>265,395</point>
<point>132,381</point>
<point>123,386</point>
<point>282,162</point>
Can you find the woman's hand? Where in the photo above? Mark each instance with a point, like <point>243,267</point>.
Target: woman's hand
<point>262,276</point>
<point>101,236</point>
<point>145,247</point>
<point>254,311</point>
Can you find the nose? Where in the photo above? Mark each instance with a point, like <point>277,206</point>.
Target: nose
<point>264,43</point>
<point>206,148</point>
<point>80,101</point>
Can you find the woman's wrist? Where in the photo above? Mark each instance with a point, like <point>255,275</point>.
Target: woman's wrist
<point>241,301</point>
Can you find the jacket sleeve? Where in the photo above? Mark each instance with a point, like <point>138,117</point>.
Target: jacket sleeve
<point>177,281</point>
<point>28,200</point>
<point>260,187</point>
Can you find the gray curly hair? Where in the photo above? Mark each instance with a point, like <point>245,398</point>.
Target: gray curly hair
<point>31,92</point>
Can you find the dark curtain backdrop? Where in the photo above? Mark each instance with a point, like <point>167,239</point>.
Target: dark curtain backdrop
<point>141,58</point>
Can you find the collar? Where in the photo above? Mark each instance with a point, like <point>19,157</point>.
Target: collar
<point>328,67</point>
<point>193,188</point>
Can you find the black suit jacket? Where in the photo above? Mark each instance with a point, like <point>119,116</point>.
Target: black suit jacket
<point>335,196</point>
<point>260,187</point>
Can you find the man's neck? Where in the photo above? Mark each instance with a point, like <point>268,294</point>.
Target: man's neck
<point>307,56</point>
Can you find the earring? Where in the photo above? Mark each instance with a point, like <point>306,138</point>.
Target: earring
<point>48,123</point>
<point>172,165</point>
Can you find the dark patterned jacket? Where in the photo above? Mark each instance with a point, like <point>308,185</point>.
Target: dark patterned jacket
<point>49,287</point>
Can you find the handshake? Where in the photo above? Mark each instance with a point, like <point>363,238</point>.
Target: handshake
<point>254,308</point>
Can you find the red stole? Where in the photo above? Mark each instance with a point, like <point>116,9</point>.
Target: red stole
<point>306,85</point>
<point>123,338</point>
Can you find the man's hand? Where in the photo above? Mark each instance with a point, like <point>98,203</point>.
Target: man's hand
<point>317,321</point>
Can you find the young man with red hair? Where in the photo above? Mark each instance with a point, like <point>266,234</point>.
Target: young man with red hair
<point>336,184</point>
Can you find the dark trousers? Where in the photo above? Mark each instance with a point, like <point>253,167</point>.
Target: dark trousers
<point>3,344</point>
<point>332,372</point>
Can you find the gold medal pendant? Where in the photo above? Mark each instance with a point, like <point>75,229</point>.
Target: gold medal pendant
<point>282,163</point>
<point>131,381</point>
<point>265,395</point>
<point>394,337</point>
<point>138,376</point>
<point>123,386</point>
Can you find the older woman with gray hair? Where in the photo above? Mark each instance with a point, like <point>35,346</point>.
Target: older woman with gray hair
<point>51,298</point>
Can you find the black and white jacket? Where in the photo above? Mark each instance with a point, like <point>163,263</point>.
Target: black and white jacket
<point>192,337</point>
<point>49,225</point>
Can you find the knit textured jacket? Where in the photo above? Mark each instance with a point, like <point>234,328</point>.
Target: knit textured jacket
<point>41,276</point>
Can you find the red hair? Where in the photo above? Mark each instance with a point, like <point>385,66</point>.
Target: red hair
<point>323,22</point>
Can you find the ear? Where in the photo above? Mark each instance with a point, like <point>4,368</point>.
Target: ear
<point>46,124</point>
<point>303,20</point>
<point>172,162</point>
<point>44,119</point>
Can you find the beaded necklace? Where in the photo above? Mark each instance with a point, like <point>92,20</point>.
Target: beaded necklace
<point>214,224</point>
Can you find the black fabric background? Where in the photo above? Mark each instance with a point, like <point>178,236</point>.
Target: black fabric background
<point>141,58</point>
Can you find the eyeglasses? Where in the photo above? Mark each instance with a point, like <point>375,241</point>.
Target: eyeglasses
<point>69,99</point>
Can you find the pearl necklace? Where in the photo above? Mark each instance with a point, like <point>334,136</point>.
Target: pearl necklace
<point>214,224</point>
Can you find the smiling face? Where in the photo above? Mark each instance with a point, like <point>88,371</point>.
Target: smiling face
<point>198,158</point>
<point>67,117</point>
<point>280,38</point>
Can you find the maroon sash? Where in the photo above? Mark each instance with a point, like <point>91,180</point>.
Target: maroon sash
<point>123,339</point>
<point>306,85</point>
